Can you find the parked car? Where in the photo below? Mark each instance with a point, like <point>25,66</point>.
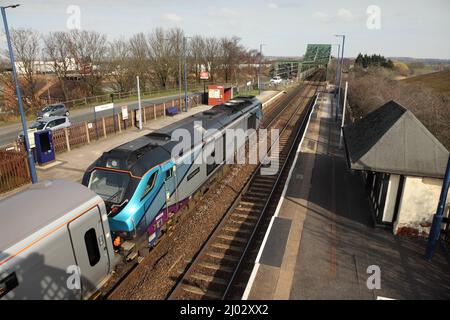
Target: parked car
<point>276,80</point>
<point>53,110</point>
<point>52,123</point>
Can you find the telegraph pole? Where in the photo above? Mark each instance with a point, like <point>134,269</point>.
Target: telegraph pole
<point>19,96</point>
<point>186,100</point>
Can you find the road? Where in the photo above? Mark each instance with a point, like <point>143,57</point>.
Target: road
<point>8,133</point>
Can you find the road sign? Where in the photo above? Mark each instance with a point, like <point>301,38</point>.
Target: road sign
<point>104,107</point>
<point>124,112</point>
<point>204,75</point>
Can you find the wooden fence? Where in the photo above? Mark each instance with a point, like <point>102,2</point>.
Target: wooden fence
<point>80,134</point>
<point>14,170</point>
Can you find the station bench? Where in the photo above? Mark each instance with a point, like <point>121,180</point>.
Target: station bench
<point>172,111</point>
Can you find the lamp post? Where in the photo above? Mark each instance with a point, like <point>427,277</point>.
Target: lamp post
<point>340,72</point>
<point>19,96</point>
<point>259,67</point>
<point>337,63</point>
<point>139,102</point>
<point>186,100</point>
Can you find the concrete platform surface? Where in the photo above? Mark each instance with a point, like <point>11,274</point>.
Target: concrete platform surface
<point>322,244</point>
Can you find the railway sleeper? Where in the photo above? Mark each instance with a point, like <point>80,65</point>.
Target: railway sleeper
<point>258,190</point>
<point>227,248</point>
<point>222,257</point>
<point>241,213</point>
<point>251,204</point>
<point>242,223</point>
<point>200,293</point>
<point>209,281</point>
<point>244,231</point>
<point>232,238</point>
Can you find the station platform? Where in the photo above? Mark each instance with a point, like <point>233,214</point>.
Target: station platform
<point>321,243</point>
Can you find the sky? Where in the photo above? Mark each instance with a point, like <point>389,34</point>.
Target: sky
<point>395,28</point>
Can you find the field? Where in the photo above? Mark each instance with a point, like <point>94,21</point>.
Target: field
<point>438,81</point>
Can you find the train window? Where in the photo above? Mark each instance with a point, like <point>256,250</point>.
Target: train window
<point>193,173</point>
<point>210,167</point>
<point>8,283</point>
<point>149,186</point>
<point>169,173</point>
<point>90,239</point>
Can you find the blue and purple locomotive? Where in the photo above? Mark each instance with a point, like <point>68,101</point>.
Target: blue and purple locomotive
<point>144,185</point>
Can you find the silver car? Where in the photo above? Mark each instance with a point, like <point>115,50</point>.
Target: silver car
<point>51,123</point>
<point>53,110</point>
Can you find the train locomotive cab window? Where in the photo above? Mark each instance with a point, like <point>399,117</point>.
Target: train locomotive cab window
<point>90,239</point>
<point>109,185</point>
<point>150,184</point>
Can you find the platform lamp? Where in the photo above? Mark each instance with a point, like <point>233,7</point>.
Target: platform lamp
<point>340,73</point>
<point>18,94</point>
<point>337,63</point>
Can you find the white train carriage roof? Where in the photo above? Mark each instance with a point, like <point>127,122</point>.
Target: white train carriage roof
<point>155,148</point>
<point>29,211</point>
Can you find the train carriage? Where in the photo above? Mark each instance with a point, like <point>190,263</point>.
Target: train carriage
<point>145,182</point>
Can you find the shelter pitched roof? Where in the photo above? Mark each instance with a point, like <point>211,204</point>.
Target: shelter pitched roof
<point>391,139</point>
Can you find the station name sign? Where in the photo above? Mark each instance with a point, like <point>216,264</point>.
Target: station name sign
<point>104,107</point>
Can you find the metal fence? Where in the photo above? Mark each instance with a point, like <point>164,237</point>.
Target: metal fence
<point>104,98</point>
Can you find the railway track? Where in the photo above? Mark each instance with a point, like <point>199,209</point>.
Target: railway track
<point>220,269</point>
<point>273,114</point>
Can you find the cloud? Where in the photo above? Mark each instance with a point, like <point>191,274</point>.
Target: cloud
<point>272,6</point>
<point>342,15</point>
<point>228,13</point>
<point>228,16</point>
<point>321,16</point>
<point>171,17</point>
<point>345,15</point>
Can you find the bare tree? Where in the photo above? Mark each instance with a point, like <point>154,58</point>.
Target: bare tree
<point>118,66</point>
<point>27,50</point>
<point>159,51</point>
<point>212,56</point>
<point>139,61</point>
<point>88,48</point>
<point>232,54</point>
<point>56,49</point>
<point>176,37</point>
<point>198,49</point>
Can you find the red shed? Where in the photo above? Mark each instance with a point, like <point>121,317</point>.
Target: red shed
<point>219,94</point>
